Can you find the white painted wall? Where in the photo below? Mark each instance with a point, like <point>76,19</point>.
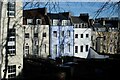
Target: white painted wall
<point>65,40</point>
<point>18,58</point>
<point>82,41</point>
<point>41,40</point>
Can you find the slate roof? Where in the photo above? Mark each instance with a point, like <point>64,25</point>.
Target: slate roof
<point>76,20</point>
<point>38,12</point>
<point>61,16</point>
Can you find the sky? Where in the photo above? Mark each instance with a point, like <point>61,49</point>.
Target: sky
<point>76,8</point>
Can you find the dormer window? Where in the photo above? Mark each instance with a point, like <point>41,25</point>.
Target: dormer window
<point>38,21</point>
<point>55,22</point>
<point>65,22</point>
<point>29,21</point>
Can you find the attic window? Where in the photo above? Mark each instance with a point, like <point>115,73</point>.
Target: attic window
<point>38,21</point>
<point>55,22</point>
<point>29,21</point>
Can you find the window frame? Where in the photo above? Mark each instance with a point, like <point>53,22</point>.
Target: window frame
<point>87,48</point>
<point>76,49</point>
<point>87,35</point>
<point>62,33</point>
<point>11,36</point>
<point>55,33</point>
<point>27,35</point>
<point>81,35</point>
<point>55,22</point>
<point>81,48</point>
<point>35,35</point>
<point>68,33</point>
<point>11,8</point>
<point>11,71</point>
<point>44,34</point>
<point>29,21</point>
<point>37,21</point>
<point>11,68</point>
<point>69,47</point>
<point>76,35</point>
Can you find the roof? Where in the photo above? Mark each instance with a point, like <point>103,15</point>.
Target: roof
<point>93,54</point>
<point>97,25</point>
<point>76,20</point>
<point>38,13</point>
<point>53,15</point>
<point>61,16</point>
<point>30,13</point>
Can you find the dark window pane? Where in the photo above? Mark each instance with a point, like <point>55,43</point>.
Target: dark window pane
<point>87,35</point>
<point>81,48</point>
<point>11,47</point>
<point>36,35</point>
<point>11,39</point>
<point>76,49</point>
<point>62,33</point>
<point>55,33</point>
<point>86,48</point>
<point>76,35</point>
<point>11,9</point>
<point>44,34</point>
<point>81,35</point>
<point>26,35</point>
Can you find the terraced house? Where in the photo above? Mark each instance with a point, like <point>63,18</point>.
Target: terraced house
<point>82,35</point>
<point>61,35</point>
<point>105,35</point>
<point>36,32</point>
<point>11,39</point>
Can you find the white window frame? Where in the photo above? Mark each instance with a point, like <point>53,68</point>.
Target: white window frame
<point>11,50</point>
<point>27,35</point>
<point>38,20</point>
<point>55,22</point>
<point>65,22</point>
<point>11,71</point>
<point>26,49</point>
<point>68,33</point>
<point>29,21</point>
<point>11,8</point>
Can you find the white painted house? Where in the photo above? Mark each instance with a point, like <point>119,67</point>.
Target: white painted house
<point>36,33</point>
<point>11,41</point>
<point>61,35</point>
<point>82,36</point>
